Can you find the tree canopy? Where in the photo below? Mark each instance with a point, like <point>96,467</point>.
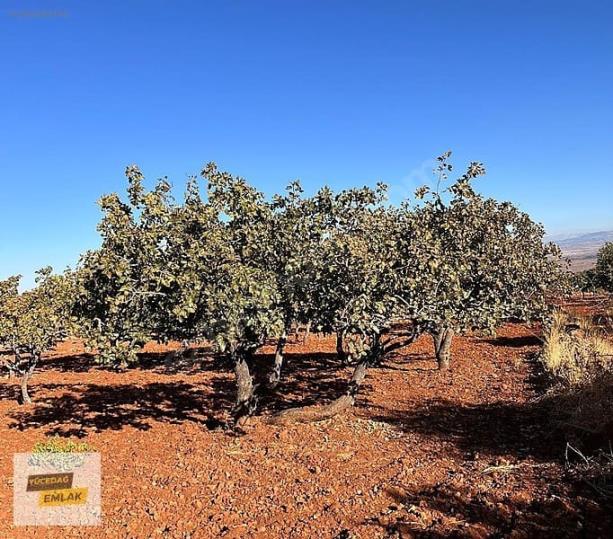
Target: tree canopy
<point>34,321</point>
<point>470,262</point>
<point>228,265</point>
<point>604,266</point>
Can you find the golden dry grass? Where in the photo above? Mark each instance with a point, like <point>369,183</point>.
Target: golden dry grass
<point>574,351</point>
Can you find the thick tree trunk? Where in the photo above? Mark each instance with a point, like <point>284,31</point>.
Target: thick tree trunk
<point>25,378</point>
<point>309,414</point>
<point>442,347</point>
<point>342,355</point>
<point>25,396</point>
<point>246,402</point>
<point>275,375</point>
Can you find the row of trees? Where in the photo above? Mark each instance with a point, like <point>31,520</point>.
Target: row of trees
<point>237,269</point>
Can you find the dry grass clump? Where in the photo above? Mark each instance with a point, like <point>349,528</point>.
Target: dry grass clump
<point>579,356</point>
<point>575,352</point>
<point>587,408</point>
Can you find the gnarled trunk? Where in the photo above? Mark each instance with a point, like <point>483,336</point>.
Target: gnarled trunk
<point>275,375</point>
<point>442,347</point>
<point>25,378</point>
<point>246,401</point>
<point>308,414</point>
<point>25,396</point>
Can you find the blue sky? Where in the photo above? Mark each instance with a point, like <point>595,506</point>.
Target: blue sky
<point>332,92</point>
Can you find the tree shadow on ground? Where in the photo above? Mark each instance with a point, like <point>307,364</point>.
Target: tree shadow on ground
<point>69,363</point>
<point>201,357</point>
<point>405,361</point>
<point>10,389</point>
<point>496,429</point>
<point>502,428</point>
<point>522,341</point>
<point>537,429</point>
<point>446,510</point>
<point>102,407</point>
<point>306,380</point>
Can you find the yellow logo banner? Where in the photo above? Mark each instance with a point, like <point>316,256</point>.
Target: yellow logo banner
<point>54,498</point>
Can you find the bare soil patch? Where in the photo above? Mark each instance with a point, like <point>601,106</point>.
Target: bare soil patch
<point>469,452</point>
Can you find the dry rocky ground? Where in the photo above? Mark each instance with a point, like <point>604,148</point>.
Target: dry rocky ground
<point>466,453</point>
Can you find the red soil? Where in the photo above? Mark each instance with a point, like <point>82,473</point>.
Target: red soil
<point>411,460</point>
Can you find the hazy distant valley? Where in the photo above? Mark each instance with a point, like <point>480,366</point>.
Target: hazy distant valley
<point>582,248</point>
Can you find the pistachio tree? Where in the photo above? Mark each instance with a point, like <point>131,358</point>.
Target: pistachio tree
<point>471,262</point>
<point>237,270</point>
<point>243,307</point>
<point>214,292</point>
<point>293,228</point>
<point>355,289</point>
<point>191,270</point>
<point>34,321</point>
<point>119,285</point>
<point>586,281</point>
<point>306,247</point>
<point>604,266</point>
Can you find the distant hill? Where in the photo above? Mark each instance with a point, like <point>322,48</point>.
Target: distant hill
<point>582,248</point>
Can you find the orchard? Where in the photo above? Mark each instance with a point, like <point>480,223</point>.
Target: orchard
<point>228,266</point>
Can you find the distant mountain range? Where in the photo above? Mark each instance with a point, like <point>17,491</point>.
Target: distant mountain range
<point>582,248</point>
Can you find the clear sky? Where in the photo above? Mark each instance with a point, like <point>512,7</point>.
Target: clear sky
<point>336,92</point>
